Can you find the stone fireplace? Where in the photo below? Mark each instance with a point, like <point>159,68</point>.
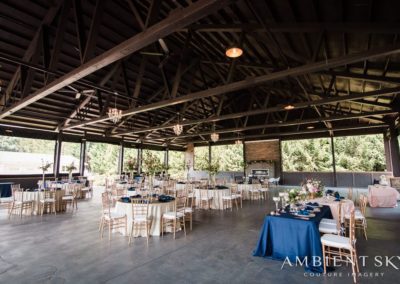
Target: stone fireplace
<point>263,158</point>
<point>265,169</point>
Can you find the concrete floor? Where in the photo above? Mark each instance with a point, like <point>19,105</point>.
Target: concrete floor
<point>67,249</point>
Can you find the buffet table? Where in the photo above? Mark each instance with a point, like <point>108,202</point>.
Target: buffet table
<point>156,210</point>
<point>288,236</point>
<point>382,196</point>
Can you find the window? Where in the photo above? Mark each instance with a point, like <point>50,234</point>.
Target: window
<point>70,154</point>
<point>311,155</point>
<point>360,153</point>
<point>101,159</point>
<point>21,156</point>
<point>158,154</point>
<point>176,163</point>
<point>229,157</point>
<point>200,158</point>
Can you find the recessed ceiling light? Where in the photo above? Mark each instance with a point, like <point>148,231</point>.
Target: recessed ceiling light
<point>9,131</point>
<point>310,127</point>
<point>234,52</point>
<point>289,107</point>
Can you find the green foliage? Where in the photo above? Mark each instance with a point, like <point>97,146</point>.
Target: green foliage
<point>26,145</point>
<point>230,157</point>
<point>200,157</point>
<point>102,158</point>
<point>353,153</point>
<point>176,161</point>
<point>152,163</point>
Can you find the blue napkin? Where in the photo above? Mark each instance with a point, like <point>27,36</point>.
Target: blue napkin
<point>304,212</point>
<point>132,189</point>
<point>125,199</point>
<point>309,208</point>
<point>313,203</point>
<point>221,187</point>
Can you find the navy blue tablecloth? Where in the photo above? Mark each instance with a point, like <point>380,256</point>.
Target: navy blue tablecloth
<point>5,189</point>
<point>284,236</point>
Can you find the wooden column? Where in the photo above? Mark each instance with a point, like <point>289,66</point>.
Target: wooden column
<point>388,155</point>
<point>333,162</point>
<point>57,155</point>
<point>394,150</point>
<point>121,158</point>
<point>139,159</point>
<point>82,158</point>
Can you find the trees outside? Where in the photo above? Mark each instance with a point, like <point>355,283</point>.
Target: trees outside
<point>101,158</point>
<point>176,163</point>
<point>70,154</point>
<point>360,153</point>
<point>352,153</point>
<point>130,154</point>
<point>200,158</point>
<point>229,157</point>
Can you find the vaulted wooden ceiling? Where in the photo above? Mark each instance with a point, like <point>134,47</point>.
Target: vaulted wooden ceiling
<point>65,62</point>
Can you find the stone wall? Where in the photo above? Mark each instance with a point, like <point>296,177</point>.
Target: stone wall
<point>263,155</point>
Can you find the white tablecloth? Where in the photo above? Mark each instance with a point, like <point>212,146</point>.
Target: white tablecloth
<point>37,195</point>
<point>155,212</point>
<point>216,202</point>
<point>347,206</point>
<point>382,196</point>
<point>244,189</point>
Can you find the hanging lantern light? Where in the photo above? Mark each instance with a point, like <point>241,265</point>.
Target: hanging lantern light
<point>114,113</point>
<point>178,128</point>
<point>238,142</point>
<point>214,136</point>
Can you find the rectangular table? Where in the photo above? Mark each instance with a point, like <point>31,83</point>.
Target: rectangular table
<point>5,189</point>
<point>382,196</point>
<point>285,236</point>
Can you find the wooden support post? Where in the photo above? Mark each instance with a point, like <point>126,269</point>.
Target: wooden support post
<point>57,155</point>
<point>82,158</point>
<point>121,158</point>
<point>394,150</point>
<point>333,162</point>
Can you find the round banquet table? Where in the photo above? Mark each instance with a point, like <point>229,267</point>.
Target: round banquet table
<point>217,194</point>
<point>347,206</point>
<point>156,210</point>
<point>35,196</point>
<point>245,188</point>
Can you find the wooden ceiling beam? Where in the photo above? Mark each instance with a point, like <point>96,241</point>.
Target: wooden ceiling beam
<point>240,85</point>
<point>176,20</point>
<point>275,109</point>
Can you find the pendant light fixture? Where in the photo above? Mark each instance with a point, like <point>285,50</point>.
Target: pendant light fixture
<point>214,136</point>
<point>114,113</point>
<point>178,128</point>
<point>234,51</point>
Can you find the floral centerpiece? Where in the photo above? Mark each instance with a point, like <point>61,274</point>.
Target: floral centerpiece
<point>294,195</point>
<point>212,169</point>
<point>131,166</point>
<point>314,187</point>
<point>152,165</point>
<point>70,168</point>
<point>44,167</point>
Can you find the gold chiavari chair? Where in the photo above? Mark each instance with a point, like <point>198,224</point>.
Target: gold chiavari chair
<point>237,193</point>
<point>350,193</point>
<point>140,217</point>
<point>175,217</point>
<point>227,199</point>
<point>254,191</point>
<point>343,249</point>
<point>48,201</point>
<point>71,198</point>
<point>360,219</point>
<point>19,203</point>
<point>205,199</point>
<point>109,218</point>
<point>331,226</point>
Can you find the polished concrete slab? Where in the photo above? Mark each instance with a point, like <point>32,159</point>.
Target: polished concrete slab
<point>67,249</point>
